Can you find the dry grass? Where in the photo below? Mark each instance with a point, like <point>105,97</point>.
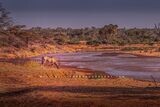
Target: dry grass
<point>37,49</point>
<point>33,85</point>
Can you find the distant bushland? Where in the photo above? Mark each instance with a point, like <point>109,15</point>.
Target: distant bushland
<point>19,36</point>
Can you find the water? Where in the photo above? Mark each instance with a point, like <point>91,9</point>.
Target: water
<point>115,64</point>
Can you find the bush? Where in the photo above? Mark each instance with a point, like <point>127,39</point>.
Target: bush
<point>94,42</point>
<point>74,41</point>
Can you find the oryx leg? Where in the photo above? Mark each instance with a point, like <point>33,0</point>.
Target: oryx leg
<point>42,61</point>
<point>56,65</point>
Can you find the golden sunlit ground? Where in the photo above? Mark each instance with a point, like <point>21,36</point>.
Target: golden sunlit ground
<point>38,49</point>
<point>30,85</point>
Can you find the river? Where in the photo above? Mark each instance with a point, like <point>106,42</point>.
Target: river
<point>117,64</point>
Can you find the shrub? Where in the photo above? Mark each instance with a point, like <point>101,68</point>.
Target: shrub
<point>93,42</point>
<point>74,41</point>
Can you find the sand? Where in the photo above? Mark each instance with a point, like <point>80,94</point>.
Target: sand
<point>32,85</point>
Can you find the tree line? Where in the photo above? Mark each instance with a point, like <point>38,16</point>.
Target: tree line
<point>20,36</point>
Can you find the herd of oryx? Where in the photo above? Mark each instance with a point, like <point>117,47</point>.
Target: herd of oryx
<point>50,60</point>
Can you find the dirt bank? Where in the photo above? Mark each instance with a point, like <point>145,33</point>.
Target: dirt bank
<point>38,49</point>
<point>32,85</point>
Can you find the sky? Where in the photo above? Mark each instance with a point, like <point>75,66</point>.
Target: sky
<point>84,13</point>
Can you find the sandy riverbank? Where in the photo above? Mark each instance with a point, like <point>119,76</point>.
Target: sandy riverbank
<point>37,49</point>
<point>32,85</point>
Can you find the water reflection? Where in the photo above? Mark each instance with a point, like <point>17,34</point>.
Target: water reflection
<point>114,63</point>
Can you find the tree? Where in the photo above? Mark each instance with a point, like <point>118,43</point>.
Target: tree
<point>108,33</point>
<point>157,29</point>
<point>5,20</point>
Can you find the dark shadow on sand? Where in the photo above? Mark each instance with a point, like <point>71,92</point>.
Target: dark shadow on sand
<point>117,93</point>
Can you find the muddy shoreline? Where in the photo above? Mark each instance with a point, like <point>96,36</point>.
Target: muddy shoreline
<point>104,54</point>
<point>127,53</point>
<point>32,85</point>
